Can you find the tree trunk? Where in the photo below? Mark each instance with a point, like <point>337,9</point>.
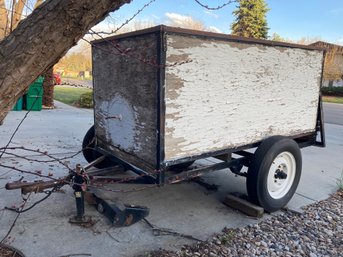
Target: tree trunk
<point>48,88</point>
<point>42,39</point>
<point>3,19</point>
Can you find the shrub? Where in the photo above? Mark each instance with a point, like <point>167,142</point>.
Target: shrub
<point>332,91</point>
<point>86,100</point>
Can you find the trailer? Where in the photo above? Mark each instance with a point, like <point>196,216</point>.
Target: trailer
<point>166,97</point>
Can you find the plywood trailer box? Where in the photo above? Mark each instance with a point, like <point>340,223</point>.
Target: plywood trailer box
<point>167,96</point>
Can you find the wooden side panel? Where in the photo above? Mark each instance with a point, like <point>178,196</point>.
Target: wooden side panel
<point>234,94</point>
<point>125,99</point>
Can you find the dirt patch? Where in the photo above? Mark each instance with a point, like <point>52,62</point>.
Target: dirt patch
<point>9,251</point>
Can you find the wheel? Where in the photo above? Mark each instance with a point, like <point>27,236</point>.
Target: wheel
<point>100,207</point>
<point>90,153</point>
<point>181,166</point>
<point>274,173</point>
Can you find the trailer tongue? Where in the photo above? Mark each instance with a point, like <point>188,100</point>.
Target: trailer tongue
<point>84,183</point>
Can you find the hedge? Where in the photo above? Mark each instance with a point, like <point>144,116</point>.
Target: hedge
<point>332,91</point>
<point>86,100</point>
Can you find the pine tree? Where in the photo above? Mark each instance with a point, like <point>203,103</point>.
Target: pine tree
<point>250,19</point>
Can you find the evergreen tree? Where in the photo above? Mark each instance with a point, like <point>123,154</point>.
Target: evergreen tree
<point>276,37</point>
<point>250,19</point>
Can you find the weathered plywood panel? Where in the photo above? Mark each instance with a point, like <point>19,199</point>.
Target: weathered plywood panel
<point>125,99</point>
<point>234,94</point>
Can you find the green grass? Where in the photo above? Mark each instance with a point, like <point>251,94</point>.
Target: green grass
<point>69,95</point>
<point>227,237</point>
<point>333,99</point>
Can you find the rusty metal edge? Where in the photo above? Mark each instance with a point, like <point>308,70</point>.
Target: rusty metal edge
<point>227,37</point>
<point>129,158</point>
<point>142,164</point>
<point>320,114</point>
<point>160,104</point>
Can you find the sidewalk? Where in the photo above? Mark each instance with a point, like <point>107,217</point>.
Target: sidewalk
<point>186,208</point>
<point>58,130</point>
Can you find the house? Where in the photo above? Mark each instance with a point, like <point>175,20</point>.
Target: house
<point>333,67</point>
<point>85,74</point>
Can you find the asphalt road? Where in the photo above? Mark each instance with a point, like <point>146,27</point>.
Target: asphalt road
<point>333,113</point>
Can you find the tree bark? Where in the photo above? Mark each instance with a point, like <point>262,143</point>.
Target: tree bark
<point>42,39</point>
<point>48,88</point>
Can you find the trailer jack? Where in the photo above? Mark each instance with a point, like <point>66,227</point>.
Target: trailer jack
<point>80,217</point>
<point>79,181</point>
<point>121,215</point>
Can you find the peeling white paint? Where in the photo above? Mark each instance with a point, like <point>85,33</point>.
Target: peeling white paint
<point>118,119</point>
<point>233,95</point>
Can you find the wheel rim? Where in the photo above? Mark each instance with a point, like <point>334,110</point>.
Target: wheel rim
<point>281,175</point>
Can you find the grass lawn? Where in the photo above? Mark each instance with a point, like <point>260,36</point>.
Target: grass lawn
<point>69,95</point>
<point>333,99</point>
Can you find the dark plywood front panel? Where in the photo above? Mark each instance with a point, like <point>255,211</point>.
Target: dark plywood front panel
<point>125,89</point>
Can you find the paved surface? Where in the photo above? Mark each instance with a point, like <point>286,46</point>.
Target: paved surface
<point>185,208</point>
<point>333,113</point>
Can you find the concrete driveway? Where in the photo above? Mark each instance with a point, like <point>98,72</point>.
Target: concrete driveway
<point>185,208</point>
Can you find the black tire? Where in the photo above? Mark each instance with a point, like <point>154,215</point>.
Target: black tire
<point>261,166</point>
<point>181,166</point>
<point>91,154</point>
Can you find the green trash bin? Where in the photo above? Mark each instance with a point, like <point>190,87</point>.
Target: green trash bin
<point>19,105</point>
<point>34,96</point>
